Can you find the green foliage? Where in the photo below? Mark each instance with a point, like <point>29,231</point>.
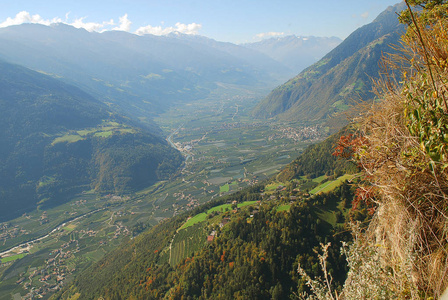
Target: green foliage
<point>284,207</point>
<point>428,10</point>
<point>194,220</point>
<point>224,188</point>
<point>220,208</point>
<point>427,118</point>
<point>330,185</point>
<point>12,258</point>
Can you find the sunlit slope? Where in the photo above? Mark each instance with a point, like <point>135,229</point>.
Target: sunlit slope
<point>340,78</point>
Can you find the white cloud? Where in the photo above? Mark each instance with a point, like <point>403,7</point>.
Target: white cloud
<point>365,15</point>
<point>125,24</point>
<point>26,17</point>
<point>89,26</point>
<point>192,28</point>
<point>269,34</point>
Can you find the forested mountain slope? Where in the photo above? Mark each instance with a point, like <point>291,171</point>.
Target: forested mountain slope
<point>254,256</point>
<point>340,77</point>
<point>57,140</point>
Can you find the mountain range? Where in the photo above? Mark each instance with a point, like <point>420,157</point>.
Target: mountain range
<point>138,75</point>
<point>83,118</point>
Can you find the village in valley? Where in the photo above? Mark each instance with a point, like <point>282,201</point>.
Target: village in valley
<point>59,254</point>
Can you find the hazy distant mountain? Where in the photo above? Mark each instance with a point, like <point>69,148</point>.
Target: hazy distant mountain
<point>138,74</point>
<point>56,140</point>
<point>296,52</point>
<point>245,54</point>
<point>344,74</point>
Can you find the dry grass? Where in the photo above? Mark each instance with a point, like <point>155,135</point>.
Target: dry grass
<point>402,148</point>
<point>404,159</point>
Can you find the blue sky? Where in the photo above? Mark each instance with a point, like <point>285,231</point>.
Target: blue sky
<point>224,20</point>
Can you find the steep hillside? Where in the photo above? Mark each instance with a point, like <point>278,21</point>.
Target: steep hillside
<point>140,75</point>
<point>296,52</point>
<point>339,78</point>
<point>57,140</point>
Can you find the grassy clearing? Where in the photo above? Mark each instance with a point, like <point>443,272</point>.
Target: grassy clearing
<point>103,134</point>
<point>46,180</point>
<point>247,203</point>
<point>68,138</point>
<point>284,207</point>
<point>69,227</point>
<point>194,220</point>
<point>105,130</point>
<point>127,130</point>
<point>224,207</point>
<point>203,216</point>
<point>13,258</point>
<point>320,179</point>
<point>85,132</point>
<point>75,296</point>
<point>327,216</point>
<point>331,185</point>
<point>272,186</point>
<point>224,188</point>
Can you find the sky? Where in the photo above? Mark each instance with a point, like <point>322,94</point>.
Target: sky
<point>236,21</point>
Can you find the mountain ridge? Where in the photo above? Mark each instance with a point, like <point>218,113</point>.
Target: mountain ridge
<point>58,140</point>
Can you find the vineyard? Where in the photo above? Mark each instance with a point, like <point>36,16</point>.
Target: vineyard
<point>187,241</point>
